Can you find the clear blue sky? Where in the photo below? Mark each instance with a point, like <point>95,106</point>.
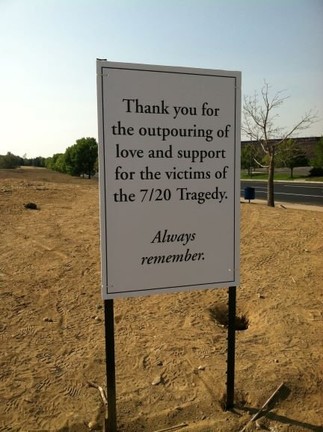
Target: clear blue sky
<point>48,51</point>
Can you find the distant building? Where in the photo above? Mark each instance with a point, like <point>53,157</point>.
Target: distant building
<point>306,143</point>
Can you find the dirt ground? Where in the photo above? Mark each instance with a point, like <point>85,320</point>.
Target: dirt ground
<point>170,352</point>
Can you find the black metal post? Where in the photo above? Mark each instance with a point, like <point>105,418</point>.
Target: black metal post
<point>111,420</point>
<point>231,347</point>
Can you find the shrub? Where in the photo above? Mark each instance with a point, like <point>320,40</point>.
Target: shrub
<point>316,172</point>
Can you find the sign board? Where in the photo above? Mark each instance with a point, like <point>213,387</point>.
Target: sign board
<point>169,162</point>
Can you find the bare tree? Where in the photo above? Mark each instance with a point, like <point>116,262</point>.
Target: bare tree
<point>259,125</point>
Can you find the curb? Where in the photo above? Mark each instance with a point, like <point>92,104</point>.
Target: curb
<point>284,205</point>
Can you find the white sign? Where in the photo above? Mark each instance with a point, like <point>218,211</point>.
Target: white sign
<point>169,161</point>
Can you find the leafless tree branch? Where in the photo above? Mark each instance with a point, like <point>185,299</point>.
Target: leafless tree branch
<point>259,125</point>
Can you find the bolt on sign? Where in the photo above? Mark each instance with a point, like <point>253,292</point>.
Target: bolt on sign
<point>169,161</point>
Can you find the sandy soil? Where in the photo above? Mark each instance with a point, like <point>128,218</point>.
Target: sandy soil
<point>170,352</point>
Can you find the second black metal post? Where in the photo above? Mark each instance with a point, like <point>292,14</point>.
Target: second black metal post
<point>111,420</point>
<point>231,347</point>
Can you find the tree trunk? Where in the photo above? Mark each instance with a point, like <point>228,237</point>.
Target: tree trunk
<point>271,170</point>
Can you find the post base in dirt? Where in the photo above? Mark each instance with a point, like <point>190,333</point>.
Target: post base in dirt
<point>110,424</point>
<point>231,348</point>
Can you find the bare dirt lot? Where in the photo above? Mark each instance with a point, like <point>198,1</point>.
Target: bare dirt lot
<point>170,353</point>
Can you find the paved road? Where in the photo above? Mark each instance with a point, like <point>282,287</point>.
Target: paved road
<point>292,192</point>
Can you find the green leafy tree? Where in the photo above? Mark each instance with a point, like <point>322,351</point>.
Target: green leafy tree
<point>80,158</point>
<point>10,161</point>
<point>60,163</point>
<point>291,155</point>
<point>56,162</point>
<point>250,154</point>
<point>49,163</point>
<point>71,164</point>
<point>317,161</point>
<point>96,165</point>
<point>38,161</point>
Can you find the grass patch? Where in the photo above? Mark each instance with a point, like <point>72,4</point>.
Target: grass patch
<point>300,174</point>
<point>277,176</point>
<point>317,179</point>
